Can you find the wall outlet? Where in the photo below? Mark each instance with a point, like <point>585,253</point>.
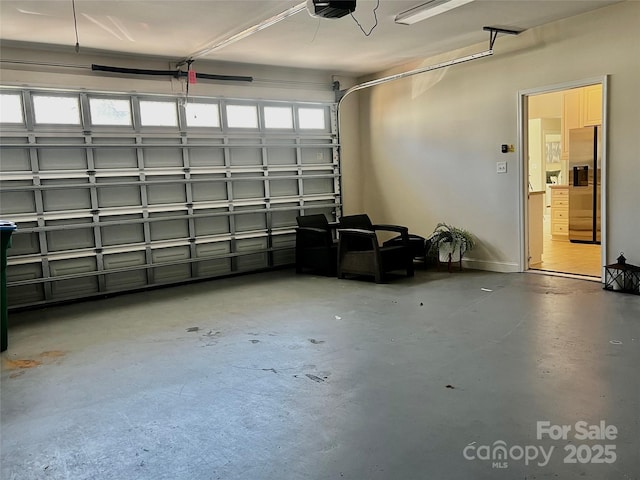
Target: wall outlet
<point>501,167</point>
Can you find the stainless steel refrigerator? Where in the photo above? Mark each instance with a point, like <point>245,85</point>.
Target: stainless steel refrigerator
<point>584,184</point>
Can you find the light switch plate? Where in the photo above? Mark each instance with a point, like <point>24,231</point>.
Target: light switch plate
<point>501,167</point>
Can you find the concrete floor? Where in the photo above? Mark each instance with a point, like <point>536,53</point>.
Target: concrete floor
<point>278,376</point>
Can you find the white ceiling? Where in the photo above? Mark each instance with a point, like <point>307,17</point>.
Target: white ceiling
<point>176,29</point>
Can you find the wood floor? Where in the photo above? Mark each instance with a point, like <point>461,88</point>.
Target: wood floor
<point>566,257</point>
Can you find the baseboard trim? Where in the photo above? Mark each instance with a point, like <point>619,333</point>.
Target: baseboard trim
<point>490,266</point>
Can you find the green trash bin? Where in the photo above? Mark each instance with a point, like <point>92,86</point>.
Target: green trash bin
<point>6,229</point>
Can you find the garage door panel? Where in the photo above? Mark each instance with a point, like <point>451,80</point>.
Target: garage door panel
<point>60,158</point>
<point>68,198</point>
<point>250,221</point>
<point>162,157</point>
<point>124,260</point>
<point>214,266</point>
<point>250,261</point>
<point>254,261</point>
<point>169,229</point>
<point>125,280</point>
<point>25,294</point>
<point>118,195</point>
<point>72,266</point>
<point>171,254</point>
<point>213,225</point>
<point>251,245</point>
<point>284,249</point>
<point>241,156</point>
<point>122,234</point>
<point>15,159</point>
<point>248,189</point>
<point>281,156</point>
<point>317,155</point>
<point>73,239</point>
<point>172,273</point>
<point>325,207</point>
<point>28,271</point>
<point>283,188</point>
<point>286,218</point>
<point>166,193</point>
<point>74,288</point>
<point>209,191</point>
<point>115,158</point>
<point>213,249</point>
<point>314,186</point>
<point>218,266</point>
<point>206,157</point>
<point>203,191</point>
<point>18,201</point>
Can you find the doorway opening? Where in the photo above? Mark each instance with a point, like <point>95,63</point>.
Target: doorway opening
<point>563,162</point>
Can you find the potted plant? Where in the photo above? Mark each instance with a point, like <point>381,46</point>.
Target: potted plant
<point>451,242</point>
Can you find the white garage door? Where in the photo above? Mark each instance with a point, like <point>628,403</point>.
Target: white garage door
<point>119,192</point>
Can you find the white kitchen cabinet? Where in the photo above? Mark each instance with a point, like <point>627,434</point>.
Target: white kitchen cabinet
<point>559,212</point>
<point>572,114</point>
<point>592,105</point>
<point>581,107</point>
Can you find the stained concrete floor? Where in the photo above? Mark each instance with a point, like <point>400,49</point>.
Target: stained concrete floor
<point>278,376</point>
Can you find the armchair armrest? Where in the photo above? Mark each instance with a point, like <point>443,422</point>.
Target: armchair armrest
<point>357,231</point>
<point>392,228</point>
<point>311,229</point>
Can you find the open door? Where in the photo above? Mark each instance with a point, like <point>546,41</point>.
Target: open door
<point>551,117</point>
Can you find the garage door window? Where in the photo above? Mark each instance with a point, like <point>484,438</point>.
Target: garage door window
<point>202,115</point>
<point>311,118</point>
<point>242,116</point>
<point>110,111</point>
<point>56,110</point>
<point>158,114</point>
<point>10,108</point>
<point>278,117</point>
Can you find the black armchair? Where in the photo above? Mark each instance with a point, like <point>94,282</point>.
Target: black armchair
<point>316,247</point>
<point>360,253</point>
<point>417,244</point>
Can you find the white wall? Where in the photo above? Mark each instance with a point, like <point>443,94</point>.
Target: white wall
<point>36,67</point>
<point>430,142</point>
